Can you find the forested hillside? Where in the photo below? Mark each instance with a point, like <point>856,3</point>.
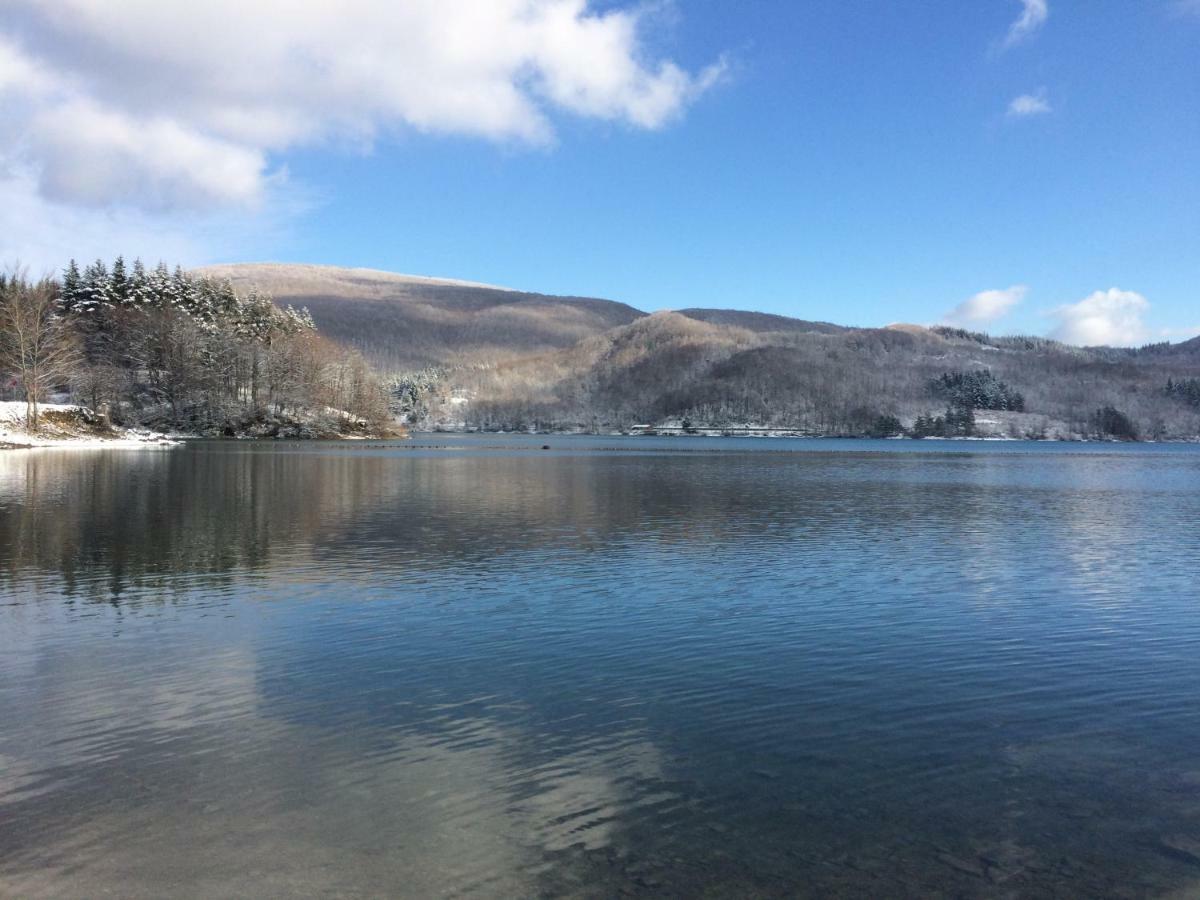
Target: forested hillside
<point>676,373</point>
<point>761,322</point>
<point>215,352</point>
<point>402,323</point>
<point>179,353</point>
<point>463,355</point>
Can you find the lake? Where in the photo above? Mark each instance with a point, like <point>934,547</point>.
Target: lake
<point>467,666</point>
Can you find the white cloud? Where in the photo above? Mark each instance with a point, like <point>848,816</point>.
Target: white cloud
<point>42,234</point>
<point>162,163</point>
<point>178,106</point>
<point>19,73</point>
<point>1026,105</point>
<point>986,306</point>
<point>1033,16</point>
<point>1112,317</point>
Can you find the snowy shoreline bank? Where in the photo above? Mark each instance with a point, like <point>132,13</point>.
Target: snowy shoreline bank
<point>74,427</point>
<point>69,427</point>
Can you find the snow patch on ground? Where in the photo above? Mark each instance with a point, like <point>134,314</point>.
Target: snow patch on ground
<point>71,427</point>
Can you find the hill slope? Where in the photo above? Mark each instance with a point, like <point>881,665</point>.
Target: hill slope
<point>409,322</point>
<point>669,367</point>
<point>508,359</point>
<point>761,322</point>
<point>406,322</point>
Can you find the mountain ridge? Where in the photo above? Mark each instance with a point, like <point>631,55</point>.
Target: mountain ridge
<point>406,322</point>
<point>502,359</point>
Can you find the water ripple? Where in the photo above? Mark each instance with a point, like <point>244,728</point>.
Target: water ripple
<point>473,668</point>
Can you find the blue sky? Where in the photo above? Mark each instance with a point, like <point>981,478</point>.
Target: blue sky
<point>860,162</point>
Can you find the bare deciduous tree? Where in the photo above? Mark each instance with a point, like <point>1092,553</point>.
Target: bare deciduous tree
<point>36,343</point>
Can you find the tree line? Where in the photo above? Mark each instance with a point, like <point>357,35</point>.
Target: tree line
<point>860,382</point>
<point>976,390</point>
<point>161,347</point>
<point>1186,390</point>
<point>957,421</point>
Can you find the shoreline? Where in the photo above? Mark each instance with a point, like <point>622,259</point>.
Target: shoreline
<point>25,441</point>
<point>72,427</point>
<point>134,440</point>
<point>90,444</point>
<point>783,434</point>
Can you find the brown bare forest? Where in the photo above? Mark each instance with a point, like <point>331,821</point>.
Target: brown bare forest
<point>479,357</point>
<point>305,350</point>
<point>179,353</point>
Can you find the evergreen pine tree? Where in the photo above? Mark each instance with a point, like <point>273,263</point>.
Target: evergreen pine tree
<point>71,283</point>
<point>93,293</point>
<point>139,284</point>
<point>183,292</point>
<point>118,283</point>
<point>159,285</point>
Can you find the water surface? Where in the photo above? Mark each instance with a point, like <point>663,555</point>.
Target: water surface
<point>467,666</point>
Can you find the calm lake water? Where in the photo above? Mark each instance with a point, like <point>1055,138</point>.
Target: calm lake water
<point>689,667</point>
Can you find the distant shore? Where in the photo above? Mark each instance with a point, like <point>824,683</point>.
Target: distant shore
<point>794,434</point>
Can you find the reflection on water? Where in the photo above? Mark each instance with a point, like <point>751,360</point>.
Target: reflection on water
<point>479,668</point>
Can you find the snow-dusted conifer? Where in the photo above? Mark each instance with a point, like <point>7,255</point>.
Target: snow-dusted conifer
<point>93,292</point>
<point>139,285</point>
<point>118,283</point>
<point>158,285</point>
<point>72,281</point>
<point>227,299</point>
<point>184,295</point>
<point>299,319</point>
